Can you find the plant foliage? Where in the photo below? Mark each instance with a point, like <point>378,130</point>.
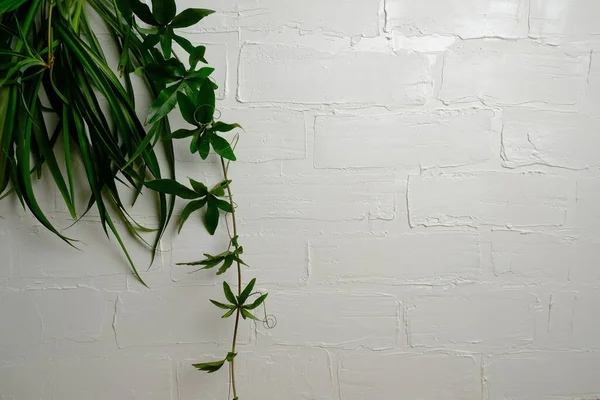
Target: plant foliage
<point>63,104</point>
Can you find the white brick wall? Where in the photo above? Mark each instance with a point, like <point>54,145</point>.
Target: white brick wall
<point>418,188</point>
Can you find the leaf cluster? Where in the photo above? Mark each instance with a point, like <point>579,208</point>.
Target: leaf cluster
<point>201,198</point>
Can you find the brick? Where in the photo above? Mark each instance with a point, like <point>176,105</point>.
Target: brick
<point>343,319</point>
<point>296,74</point>
<point>574,19</point>
<point>320,198</point>
<point>473,19</point>
<point>439,138</point>
<point>144,378</point>
<point>483,199</point>
<point>73,314</point>
<point>513,72</point>
<point>479,320</point>
<point>359,17</point>
<point>572,322</point>
<point>36,316</point>
<point>378,376</point>
<point>586,216</point>
<point>269,133</point>
<point>593,89</point>
<point>307,375</point>
<point>543,375</point>
<point>21,323</point>
<point>172,316</point>
<point>558,139</point>
<point>530,255</point>
<point>376,259</point>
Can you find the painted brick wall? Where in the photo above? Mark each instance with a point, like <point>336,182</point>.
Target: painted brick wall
<point>419,190</point>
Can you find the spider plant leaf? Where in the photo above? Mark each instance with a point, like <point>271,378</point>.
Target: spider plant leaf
<point>164,103</point>
<point>45,147</point>
<point>23,141</point>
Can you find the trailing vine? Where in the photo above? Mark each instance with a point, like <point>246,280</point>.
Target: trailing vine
<point>53,76</point>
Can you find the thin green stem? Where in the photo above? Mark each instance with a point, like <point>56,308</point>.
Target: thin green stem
<point>50,55</point>
<point>239,278</point>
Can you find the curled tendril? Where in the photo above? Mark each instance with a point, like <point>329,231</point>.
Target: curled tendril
<point>270,321</point>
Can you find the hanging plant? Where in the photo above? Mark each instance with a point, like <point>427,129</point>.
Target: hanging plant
<point>60,100</point>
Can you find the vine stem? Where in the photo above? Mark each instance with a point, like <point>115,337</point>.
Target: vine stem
<point>239,280</point>
<point>50,55</point>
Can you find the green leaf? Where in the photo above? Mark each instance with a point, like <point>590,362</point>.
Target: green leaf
<point>211,218</point>
<point>226,265</point>
<point>181,134</point>
<point>143,12</point>
<point>247,291</point>
<point>203,146</point>
<point>187,108</point>
<point>185,44</point>
<point>199,187</point>
<point>223,127</point>
<point>228,313</point>
<point>172,187</point>
<point>194,142</point>
<point>237,259</point>
<point>230,356</point>
<point>222,147</point>
<point>190,208</point>
<point>201,74</point>
<point>223,306</point>
<point>10,5</point>
<point>164,103</point>
<point>257,302</point>
<point>166,44</point>
<point>205,101</point>
<point>164,10</point>
<point>189,17</point>
<point>224,205</point>
<point>210,367</point>
<point>247,314</point>
<point>219,188</point>
<point>229,294</point>
<point>150,41</point>
<point>197,55</point>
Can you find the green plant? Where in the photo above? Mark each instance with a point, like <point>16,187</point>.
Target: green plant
<point>54,77</point>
